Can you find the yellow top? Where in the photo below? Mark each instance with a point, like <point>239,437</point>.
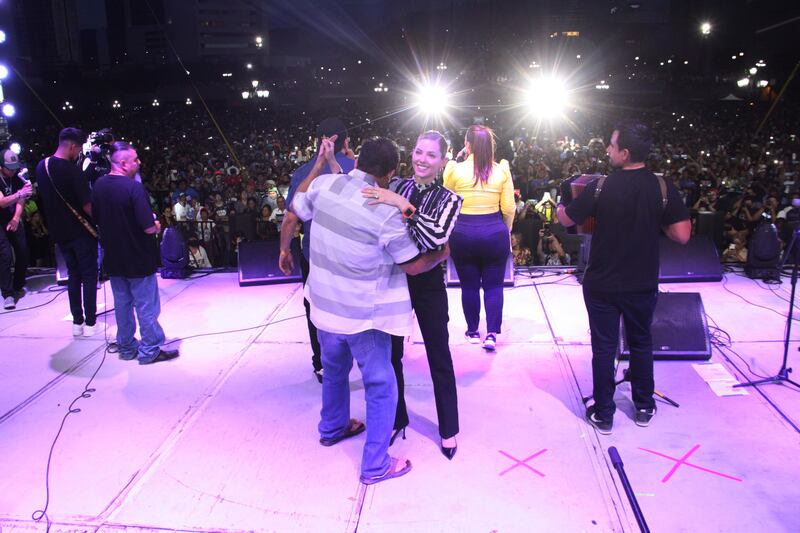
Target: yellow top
<point>497,194</point>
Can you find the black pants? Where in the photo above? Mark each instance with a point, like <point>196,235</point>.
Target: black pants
<point>80,255</point>
<point>605,310</point>
<point>316,360</point>
<point>429,299</point>
<point>12,240</point>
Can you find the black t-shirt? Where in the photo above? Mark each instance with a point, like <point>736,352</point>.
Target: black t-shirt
<point>629,212</point>
<point>74,187</point>
<point>122,211</point>
<point>8,186</point>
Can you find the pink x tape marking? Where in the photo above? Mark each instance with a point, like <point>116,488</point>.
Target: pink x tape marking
<point>523,462</point>
<point>683,461</point>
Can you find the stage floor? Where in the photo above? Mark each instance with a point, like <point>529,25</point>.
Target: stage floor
<point>224,438</point>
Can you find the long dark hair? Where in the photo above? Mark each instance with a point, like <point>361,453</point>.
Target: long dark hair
<point>482,142</point>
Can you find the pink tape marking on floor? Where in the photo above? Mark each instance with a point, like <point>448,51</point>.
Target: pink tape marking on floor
<point>683,461</point>
<point>523,462</point>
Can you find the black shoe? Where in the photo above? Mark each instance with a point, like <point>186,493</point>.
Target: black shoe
<point>602,426</point>
<point>644,416</point>
<point>163,355</point>
<point>318,375</point>
<point>396,433</point>
<point>449,452</point>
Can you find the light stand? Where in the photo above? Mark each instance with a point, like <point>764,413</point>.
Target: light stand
<point>783,374</point>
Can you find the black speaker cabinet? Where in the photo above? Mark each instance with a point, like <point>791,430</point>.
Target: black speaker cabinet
<point>258,263</point>
<point>453,281</point>
<point>679,329</point>
<point>696,260</point>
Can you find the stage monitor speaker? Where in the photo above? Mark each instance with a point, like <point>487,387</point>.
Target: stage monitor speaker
<point>61,268</point>
<point>696,260</point>
<point>453,281</point>
<point>258,263</point>
<point>679,329</point>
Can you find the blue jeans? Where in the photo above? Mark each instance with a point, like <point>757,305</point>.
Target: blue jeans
<point>140,294</point>
<point>372,350</point>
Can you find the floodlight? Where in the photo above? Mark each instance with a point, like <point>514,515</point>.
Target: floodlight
<point>547,97</point>
<point>245,95</point>
<point>753,70</point>
<point>744,82</point>
<point>9,110</point>
<point>705,28</point>
<point>432,99</point>
<point>3,72</point>
<point>2,36</point>
<point>16,148</point>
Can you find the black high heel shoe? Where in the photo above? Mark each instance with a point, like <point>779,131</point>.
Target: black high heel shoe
<point>449,452</point>
<point>396,433</point>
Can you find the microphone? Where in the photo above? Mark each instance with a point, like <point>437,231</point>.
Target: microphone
<point>616,460</point>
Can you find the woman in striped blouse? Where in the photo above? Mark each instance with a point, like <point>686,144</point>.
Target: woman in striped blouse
<point>431,212</point>
<point>480,242</point>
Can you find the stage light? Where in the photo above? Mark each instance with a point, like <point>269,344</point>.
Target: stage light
<point>2,36</point>
<point>744,82</point>
<point>432,99</point>
<point>753,70</point>
<point>547,97</point>
<point>705,28</point>
<point>254,83</point>
<point>16,148</point>
<point>259,42</point>
<point>763,83</point>
<point>9,110</point>
<point>3,72</point>
<point>245,95</point>
<point>188,101</point>
<point>249,66</point>
<point>156,103</point>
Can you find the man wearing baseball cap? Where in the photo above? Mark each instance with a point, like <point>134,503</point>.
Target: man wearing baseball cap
<point>13,193</point>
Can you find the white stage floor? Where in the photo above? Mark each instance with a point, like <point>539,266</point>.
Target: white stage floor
<point>224,438</point>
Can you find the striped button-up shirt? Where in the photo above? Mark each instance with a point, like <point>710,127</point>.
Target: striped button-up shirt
<point>354,283</point>
<point>437,210</point>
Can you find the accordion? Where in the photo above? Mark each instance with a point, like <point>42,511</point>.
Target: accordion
<point>577,184</point>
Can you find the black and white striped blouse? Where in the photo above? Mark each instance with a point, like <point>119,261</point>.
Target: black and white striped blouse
<point>437,210</point>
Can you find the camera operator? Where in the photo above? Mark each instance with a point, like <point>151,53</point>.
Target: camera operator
<point>14,190</point>
<point>65,194</point>
<point>549,250</point>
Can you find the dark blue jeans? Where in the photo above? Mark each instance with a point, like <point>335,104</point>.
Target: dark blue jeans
<point>479,246</point>
<point>141,295</point>
<point>80,255</point>
<point>13,240</point>
<point>636,310</point>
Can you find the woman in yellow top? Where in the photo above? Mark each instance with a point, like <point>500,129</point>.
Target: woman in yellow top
<point>479,244</point>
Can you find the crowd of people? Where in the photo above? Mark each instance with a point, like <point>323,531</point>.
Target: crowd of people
<point>223,186</point>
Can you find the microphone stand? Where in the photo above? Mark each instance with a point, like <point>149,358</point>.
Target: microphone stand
<point>616,461</point>
<point>783,374</point>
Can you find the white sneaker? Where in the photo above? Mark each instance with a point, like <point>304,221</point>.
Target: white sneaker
<point>9,303</point>
<point>77,330</point>
<point>489,342</point>
<point>89,331</point>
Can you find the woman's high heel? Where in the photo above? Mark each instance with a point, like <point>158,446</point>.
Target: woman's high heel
<point>396,433</point>
<point>449,452</point>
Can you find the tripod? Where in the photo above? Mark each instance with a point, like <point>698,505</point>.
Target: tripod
<point>783,374</point>
<point>626,376</point>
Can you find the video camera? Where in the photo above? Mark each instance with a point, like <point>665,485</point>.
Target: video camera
<point>97,151</point>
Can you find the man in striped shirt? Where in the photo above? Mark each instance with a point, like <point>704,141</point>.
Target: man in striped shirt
<point>359,295</point>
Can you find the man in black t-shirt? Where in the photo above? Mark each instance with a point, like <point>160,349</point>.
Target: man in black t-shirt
<point>128,228</point>
<point>13,193</point>
<point>621,279</point>
<point>65,195</point>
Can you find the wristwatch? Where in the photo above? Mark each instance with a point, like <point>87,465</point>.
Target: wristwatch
<point>409,211</point>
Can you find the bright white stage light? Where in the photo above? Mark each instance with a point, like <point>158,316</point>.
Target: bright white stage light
<point>705,28</point>
<point>16,148</point>
<point>763,83</point>
<point>744,82</point>
<point>547,97</point>
<point>432,99</point>
<point>3,72</point>
<point>2,36</point>
<point>9,110</point>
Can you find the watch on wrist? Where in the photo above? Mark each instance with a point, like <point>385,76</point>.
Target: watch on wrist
<point>409,211</point>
